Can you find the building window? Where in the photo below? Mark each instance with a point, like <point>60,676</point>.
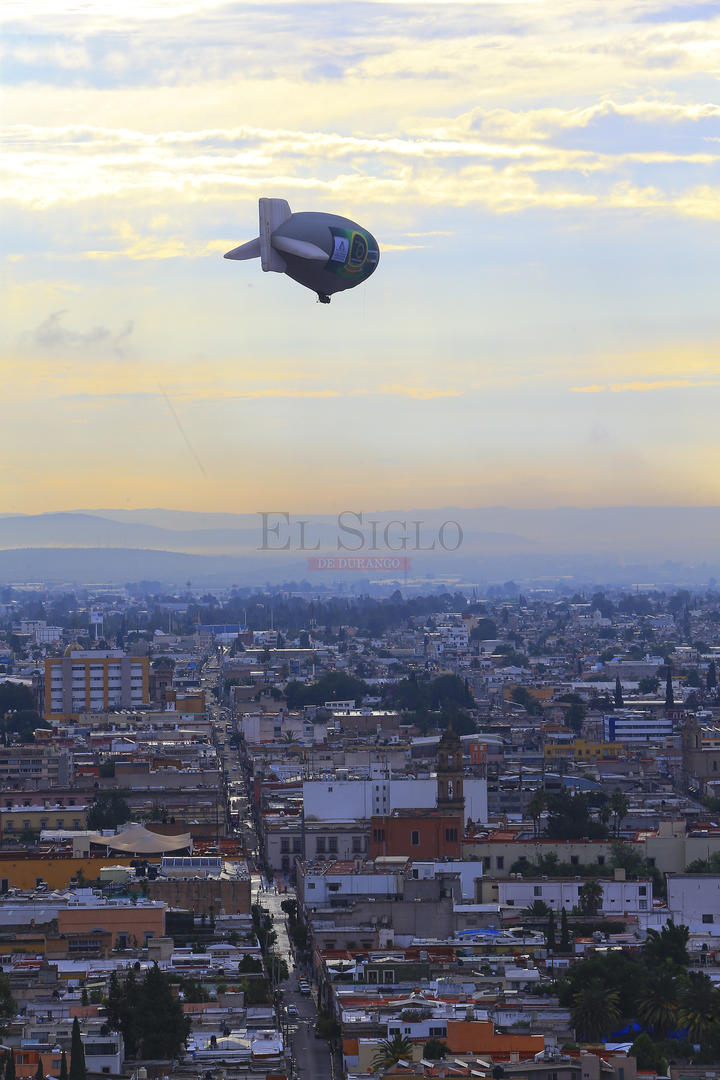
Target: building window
<point>451,836</point>
<point>642,890</point>
<point>284,846</point>
<point>537,890</point>
<point>379,835</point>
<point>708,918</point>
<point>357,844</point>
<point>601,860</point>
<point>332,844</point>
<point>415,837</point>
<point>574,860</point>
<point>320,845</point>
<point>500,862</point>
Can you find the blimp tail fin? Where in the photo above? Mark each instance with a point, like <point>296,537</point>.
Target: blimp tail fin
<point>273,214</point>
<point>251,250</point>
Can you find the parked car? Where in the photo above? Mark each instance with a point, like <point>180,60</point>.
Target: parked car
<point>304,987</point>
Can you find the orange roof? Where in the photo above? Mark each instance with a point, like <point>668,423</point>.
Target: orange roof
<point>480,1037</point>
<point>350,1047</point>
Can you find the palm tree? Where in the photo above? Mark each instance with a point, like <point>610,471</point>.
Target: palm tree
<point>658,1007</point>
<point>669,944</point>
<point>390,1051</point>
<point>590,897</point>
<point>699,1007</point>
<point>537,909</point>
<point>594,1010</point>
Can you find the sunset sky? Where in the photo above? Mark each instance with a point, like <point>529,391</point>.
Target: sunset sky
<point>544,326</point>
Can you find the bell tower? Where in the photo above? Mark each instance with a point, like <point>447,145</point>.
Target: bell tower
<point>450,796</point>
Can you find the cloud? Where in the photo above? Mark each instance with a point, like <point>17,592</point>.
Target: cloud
<point>51,334</point>
<point>640,386</point>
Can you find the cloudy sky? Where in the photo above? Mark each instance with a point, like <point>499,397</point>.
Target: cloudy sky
<point>542,176</point>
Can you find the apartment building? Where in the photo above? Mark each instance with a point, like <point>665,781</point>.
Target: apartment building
<point>91,681</point>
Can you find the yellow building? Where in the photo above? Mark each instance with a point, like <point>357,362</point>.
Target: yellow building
<point>87,681</point>
<point>15,821</point>
<point>582,750</point>
<point>19,872</point>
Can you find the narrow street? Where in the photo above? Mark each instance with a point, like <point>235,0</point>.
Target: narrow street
<point>311,1058</point>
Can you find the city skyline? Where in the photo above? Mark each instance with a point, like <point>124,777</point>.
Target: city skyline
<point>541,330</point>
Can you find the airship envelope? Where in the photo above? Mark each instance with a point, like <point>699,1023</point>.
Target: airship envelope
<point>323,252</point>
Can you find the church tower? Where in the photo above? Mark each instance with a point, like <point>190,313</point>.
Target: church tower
<point>450,796</point>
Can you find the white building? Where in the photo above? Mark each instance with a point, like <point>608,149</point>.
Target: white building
<point>693,900</point>
<point>357,799</point>
<point>619,897</point>
<point>636,727</point>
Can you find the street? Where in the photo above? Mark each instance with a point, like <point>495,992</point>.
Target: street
<point>311,1059</point>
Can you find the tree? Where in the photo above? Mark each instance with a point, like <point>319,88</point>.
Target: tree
<point>39,1072</point>
<point>618,693</point>
<point>435,1050</point>
<point>108,811</point>
<point>619,806</point>
<point>78,1069</point>
<point>550,932</point>
<point>564,932</point>
<point>7,1002</point>
<point>594,1010</point>
<point>699,1007</point>
<point>63,1066</point>
<point>535,807</point>
<point>163,1027</point>
<point>669,944</point>
<point>390,1051</point>
<point>648,684</point>
<point>658,1007</point>
<point>647,1055</point>
<point>10,1066</point>
<point>590,897</point>
<point>537,909</point>
<point>669,694</point>
<point>711,681</point>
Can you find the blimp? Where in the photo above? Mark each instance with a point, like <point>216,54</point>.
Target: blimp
<point>323,252</point>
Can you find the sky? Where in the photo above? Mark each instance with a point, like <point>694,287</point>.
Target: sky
<point>542,177</point>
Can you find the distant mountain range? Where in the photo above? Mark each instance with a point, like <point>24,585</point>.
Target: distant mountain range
<point>624,545</point>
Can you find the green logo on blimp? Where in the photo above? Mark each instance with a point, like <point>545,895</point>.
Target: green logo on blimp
<point>355,253</point>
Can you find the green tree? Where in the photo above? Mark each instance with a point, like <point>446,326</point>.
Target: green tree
<point>550,932</point>
<point>648,684</point>
<point>699,1007</point>
<point>535,808</point>
<point>669,693</point>
<point>590,897</point>
<point>390,1051</point>
<point>619,806</point>
<point>108,811</point>
<point>8,1007</point>
<point>435,1050</point>
<point>658,1007</point>
<point>39,1072</point>
<point>594,1011</point>
<point>669,944</point>
<point>618,702</point>
<point>10,1066</point>
<point>564,932</point>
<point>537,909</point>
<point>63,1066</point>
<point>711,681</point>
<point>163,1028</point>
<point>78,1069</point>
<point>648,1056</point>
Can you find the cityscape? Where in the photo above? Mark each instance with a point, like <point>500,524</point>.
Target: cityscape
<point>255,834</point>
<point>360,540</point>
